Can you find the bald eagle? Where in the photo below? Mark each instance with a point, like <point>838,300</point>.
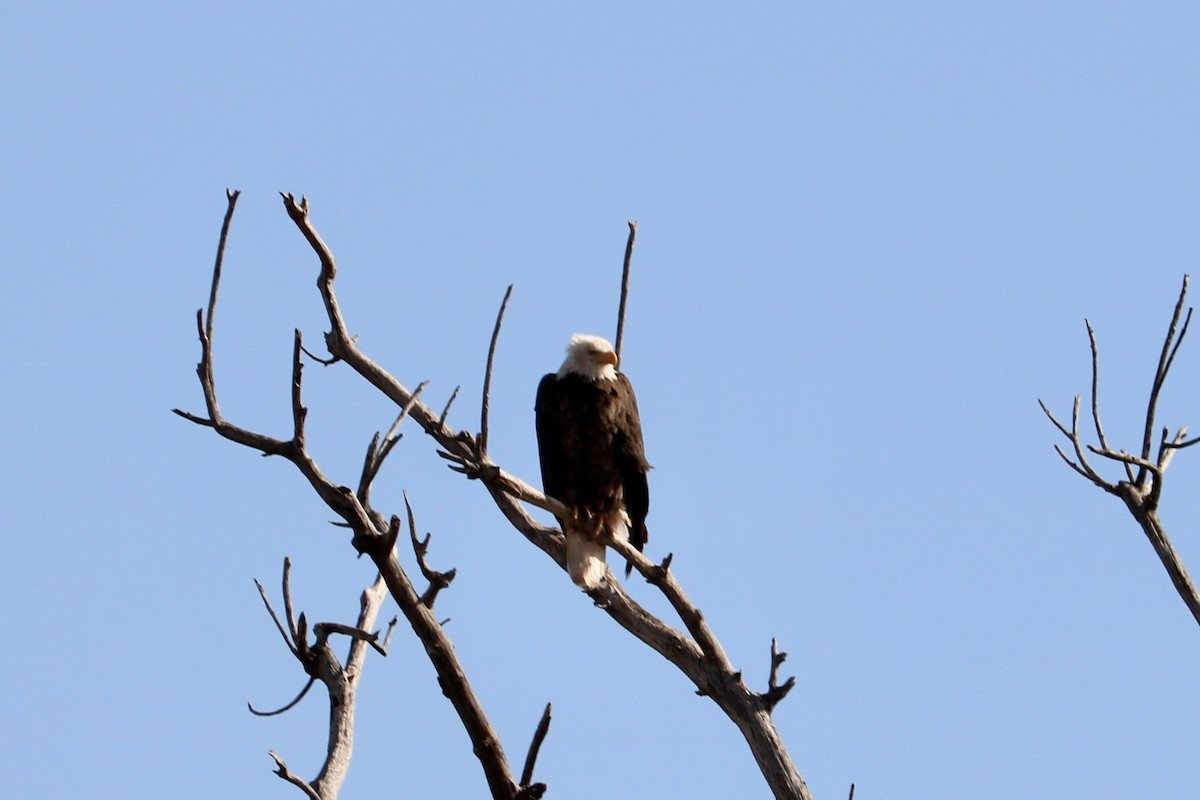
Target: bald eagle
<point>592,457</point>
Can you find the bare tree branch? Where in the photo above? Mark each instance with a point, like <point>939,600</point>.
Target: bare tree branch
<point>368,536</point>
<point>285,773</point>
<point>713,676</point>
<point>378,450</point>
<point>449,403</point>
<point>288,639</point>
<point>1141,491</point>
<point>1096,393</point>
<point>437,580</point>
<point>775,690</point>
<point>539,736</point>
<point>287,599</point>
<point>232,197</point>
<point>625,270</point>
<point>487,375</point>
<point>283,709</point>
<point>1165,359</point>
<point>698,655</point>
<point>341,682</point>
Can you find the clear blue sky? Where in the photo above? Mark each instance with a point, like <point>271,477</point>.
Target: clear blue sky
<point>869,236</point>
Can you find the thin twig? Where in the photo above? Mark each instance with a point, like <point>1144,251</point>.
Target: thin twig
<point>446,410</point>
<point>1128,458</point>
<point>776,691</point>
<point>288,707</point>
<point>299,412</point>
<point>379,449</point>
<point>539,736</point>
<point>285,773</point>
<point>1160,375</point>
<point>625,270</point>
<point>232,197</point>
<point>325,362</point>
<point>482,442</point>
<point>287,598</point>
<point>275,617</point>
<point>1096,392</point>
<point>322,630</point>
<point>437,580</point>
<point>1072,464</point>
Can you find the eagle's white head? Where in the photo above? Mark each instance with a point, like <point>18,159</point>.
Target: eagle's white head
<point>592,357</point>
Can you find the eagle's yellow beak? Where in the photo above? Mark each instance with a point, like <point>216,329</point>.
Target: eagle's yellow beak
<point>607,358</point>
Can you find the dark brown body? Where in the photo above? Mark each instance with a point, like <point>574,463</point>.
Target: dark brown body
<point>591,450</point>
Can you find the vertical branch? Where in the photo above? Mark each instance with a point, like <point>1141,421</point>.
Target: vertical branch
<point>232,196</point>
<point>487,376</point>
<point>1160,375</point>
<point>204,321</point>
<point>299,412</point>
<point>625,286</point>
<point>1096,393</point>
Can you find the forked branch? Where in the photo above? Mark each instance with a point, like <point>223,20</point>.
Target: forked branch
<point>372,534</point>
<point>697,653</point>
<point>700,658</point>
<point>340,679</point>
<point>1144,471</point>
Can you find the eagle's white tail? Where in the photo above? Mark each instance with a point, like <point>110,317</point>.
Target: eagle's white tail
<point>585,554</point>
<point>585,560</point>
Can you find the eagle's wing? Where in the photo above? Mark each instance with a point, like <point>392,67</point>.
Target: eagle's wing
<point>631,456</point>
<point>547,410</point>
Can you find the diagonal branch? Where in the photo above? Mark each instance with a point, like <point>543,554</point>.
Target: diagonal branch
<point>370,536</point>
<point>288,640</point>
<point>281,769</point>
<point>378,450</point>
<point>1083,467</point>
<point>706,665</point>
<point>699,656</point>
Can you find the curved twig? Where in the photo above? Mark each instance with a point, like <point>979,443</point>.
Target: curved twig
<point>308,685</point>
<point>487,377</point>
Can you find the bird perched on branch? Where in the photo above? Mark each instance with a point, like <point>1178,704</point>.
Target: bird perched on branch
<point>592,456</point>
